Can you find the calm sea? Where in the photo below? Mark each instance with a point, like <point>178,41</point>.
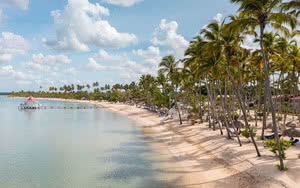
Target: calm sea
<point>72,149</point>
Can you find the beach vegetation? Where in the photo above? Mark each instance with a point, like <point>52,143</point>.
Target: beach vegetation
<point>272,143</point>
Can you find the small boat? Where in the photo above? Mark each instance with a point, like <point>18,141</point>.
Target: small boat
<point>30,103</point>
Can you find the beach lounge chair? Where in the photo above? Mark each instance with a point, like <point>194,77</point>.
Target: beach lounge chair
<point>294,142</point>
<point>271,137</point>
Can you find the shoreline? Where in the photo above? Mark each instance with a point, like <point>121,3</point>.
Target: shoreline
<point>202,157</point>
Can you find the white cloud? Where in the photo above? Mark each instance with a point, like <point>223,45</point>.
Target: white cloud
<point>8,72</point>
<point>105,56</point>
<point>175,42</point>
<point>22,4</point>
<point>125,67</point>
<point>151,56</point>
<point>94,66</point>
<point>149,53</point>
<point>37,67</point>
<point>135,68</point>
<point>218,17</point>
<point>5,57</point>
<point>54,60</point>
<point>12,45</point>
<point>249,44</point>
<point>80,25</point>
<point>43,63</point>
<point>125,3</point>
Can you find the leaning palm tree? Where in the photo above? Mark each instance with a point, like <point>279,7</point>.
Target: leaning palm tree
<point>168,66</point>
<point>261,14</point>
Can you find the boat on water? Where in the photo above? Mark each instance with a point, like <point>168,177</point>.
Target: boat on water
<point>30,103</point>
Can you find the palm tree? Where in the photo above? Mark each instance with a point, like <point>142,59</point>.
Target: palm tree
<point>292,7</point>
<point>221,40</point>
<point>262,14</point>
<point>147,83</point>
<point>168,66</point>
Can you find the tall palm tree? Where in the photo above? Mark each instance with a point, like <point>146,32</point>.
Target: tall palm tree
<point>168,66</point>
<point>147,84</point>
<point>262,14</point>
<point>269,42</point>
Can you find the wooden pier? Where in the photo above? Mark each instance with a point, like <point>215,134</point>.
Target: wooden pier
<point>58,107</point>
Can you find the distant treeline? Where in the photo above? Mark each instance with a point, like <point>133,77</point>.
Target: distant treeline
<point>5,93</point>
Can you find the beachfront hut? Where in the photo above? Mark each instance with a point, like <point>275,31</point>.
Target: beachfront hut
<point>30,103</point>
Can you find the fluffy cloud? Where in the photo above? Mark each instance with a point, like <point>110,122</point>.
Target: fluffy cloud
<point>175,42</point>
<point>125,67</point>
<point>43,63</point>
<point>55,60</point>
<point>94,66</point>
<point>125,3</point>
<point>22,4</point>
<point>135,68</point>
<point>81,25</point>
<point>8,72</point>
<point>249,44</point>
<point>151,56</point>
<point>37,67</point>
<point>104,56</point>
<point>149,53</point>
<point>218,17</point>
<point>12,45</point>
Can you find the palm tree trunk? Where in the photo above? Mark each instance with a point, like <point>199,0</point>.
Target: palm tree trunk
<point>213,100</point>
<point>257,98</point>
<point>265,116</point>
<point>175,98</point>
<point>228,114</point>
<point>268,92</point>
<point>200,103</point>
<point>280,97</point>
<point>240,102</point>
<point>225,93</point>
<point>209,105</point>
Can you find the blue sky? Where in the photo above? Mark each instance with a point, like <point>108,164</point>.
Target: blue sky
<point>57,42</point>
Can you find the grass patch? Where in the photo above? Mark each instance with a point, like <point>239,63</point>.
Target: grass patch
<point>285,168</point>
<point>284,145</point>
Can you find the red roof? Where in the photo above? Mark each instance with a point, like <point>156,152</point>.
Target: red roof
<point>30,100</point>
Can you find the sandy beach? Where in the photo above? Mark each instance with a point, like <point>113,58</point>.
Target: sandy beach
<point>195,156</point>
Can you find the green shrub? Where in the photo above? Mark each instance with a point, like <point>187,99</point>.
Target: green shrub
<point>246,133</point>
<point>284,145</point>
<point>235,116</point>
<point>279,118</point>
<point>298,155</point>
<point>285,168</point>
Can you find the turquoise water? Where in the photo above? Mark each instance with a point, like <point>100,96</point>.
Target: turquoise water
<point>59,148</point>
